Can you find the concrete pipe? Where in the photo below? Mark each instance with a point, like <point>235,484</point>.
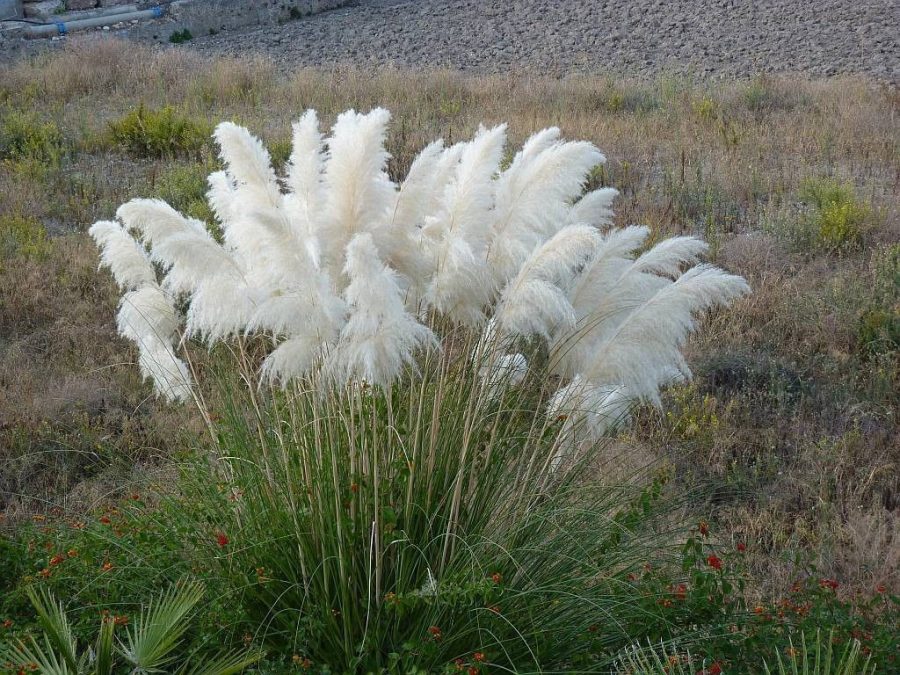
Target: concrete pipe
<point>66,27</point>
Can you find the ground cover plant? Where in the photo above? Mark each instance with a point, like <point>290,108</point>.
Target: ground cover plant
<point>789,424</point>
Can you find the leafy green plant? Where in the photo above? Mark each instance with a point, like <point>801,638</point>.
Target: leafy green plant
<point>150,645</point>
<point>818,658</point>
<point>181,36</point>
<point>160,133</point>
<point>837,216</point>
<point>22,236</point>
<point>23,135</point>
<point>420,488</point>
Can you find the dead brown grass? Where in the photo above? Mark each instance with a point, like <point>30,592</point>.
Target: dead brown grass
<point>788,407</point>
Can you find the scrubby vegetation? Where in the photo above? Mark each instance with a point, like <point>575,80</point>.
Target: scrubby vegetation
<point>759,507</point>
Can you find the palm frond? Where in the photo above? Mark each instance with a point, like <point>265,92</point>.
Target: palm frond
<point>150,643</point>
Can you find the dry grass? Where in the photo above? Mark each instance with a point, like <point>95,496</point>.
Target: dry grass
<point>790,408</point>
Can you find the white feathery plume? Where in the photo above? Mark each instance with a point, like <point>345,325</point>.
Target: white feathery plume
<point>222,199</point>
<point>291,359</point>
<point>182,245</point>
<point>170,375</point>
<point>380,336</point>
<point>304,177</point>
<point>306,196</point>
<point>667,257</point>
<point>398,240</point>
<point>595,208</point>
<point>329,269</point>
<point>359,193</point>
<point>535,302</point>
<point>249,165</point>
<point>147,313</point>
<point>460,285</point>
<point>643,351</point>
<point>503,372</point>
<point>534,199</point>
<point>588,413</point>
<point>124,257</point>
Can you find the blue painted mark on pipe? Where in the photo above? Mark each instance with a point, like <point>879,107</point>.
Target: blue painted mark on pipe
<point>61,27</point>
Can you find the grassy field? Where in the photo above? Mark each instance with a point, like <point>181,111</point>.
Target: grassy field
<point>791,421</point>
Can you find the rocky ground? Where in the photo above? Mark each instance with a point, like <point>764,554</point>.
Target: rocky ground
<point>642,37</point>
<point>708,38</point>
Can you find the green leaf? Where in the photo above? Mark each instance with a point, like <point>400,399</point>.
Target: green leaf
<point>159,628</point>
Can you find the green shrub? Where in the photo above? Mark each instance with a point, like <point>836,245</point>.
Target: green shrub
<point>836,214</point>
<point>160,133</point>
<point>24,136</point>
<point>22,236</point>
<point>180,36</point>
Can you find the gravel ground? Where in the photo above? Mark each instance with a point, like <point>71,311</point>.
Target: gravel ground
<point>712,38</point>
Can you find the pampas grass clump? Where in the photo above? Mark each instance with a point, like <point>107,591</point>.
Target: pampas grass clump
<point>420,483</point>
<point>351,275</point>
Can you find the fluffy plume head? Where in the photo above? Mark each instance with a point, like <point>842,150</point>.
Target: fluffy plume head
<point>169,374</point>
<point>535,302</point>
<point>359,193</point>
<point>249,165</point>
<point>124,257</point>
<point>380,336</point>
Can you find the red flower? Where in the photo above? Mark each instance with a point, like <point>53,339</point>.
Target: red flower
<point>828,583</point>
<point>72,553</point>
<point>680,592</point>
<point>221,539</point>
<point>105,520</point>
<point>473,670</point>
<point>106,567</point>
<point>704,528</point>
<point>715,562</point>
<point>436,633</point>
<point>714,669</point>
<point>478,656</point>
<point>45,573</point>
<point>121,620</point>
<point>55,560</point>
<point>496,577</point>
<point>7,623</point>
<point>881,588</point>
<point>494,608</point>
<point>741,547</point>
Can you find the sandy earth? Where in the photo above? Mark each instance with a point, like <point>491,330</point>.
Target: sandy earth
<point>641,37</point>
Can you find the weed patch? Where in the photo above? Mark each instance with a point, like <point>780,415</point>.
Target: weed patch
<point>163,132</point>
